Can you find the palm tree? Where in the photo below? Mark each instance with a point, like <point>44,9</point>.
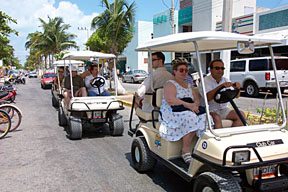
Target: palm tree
<point>52,40</point>
<point>116,23</point>
<point>56,37</point>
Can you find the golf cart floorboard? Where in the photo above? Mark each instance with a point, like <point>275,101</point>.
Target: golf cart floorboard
<point>180,163</point>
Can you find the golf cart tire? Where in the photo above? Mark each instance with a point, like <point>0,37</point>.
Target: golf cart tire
<point>116,125</point>
<point>54,101</point>
<point>62,117</point>
<point>141,155</point>
<point>74,130</point>
<point>216,181</point>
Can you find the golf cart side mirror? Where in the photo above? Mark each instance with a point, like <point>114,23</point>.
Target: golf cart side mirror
<point>245,47</point>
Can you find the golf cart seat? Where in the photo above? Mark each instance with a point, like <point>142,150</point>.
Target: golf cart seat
<point>155,100</point>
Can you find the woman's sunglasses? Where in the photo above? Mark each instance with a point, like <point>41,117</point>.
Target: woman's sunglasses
<point>183,70</point>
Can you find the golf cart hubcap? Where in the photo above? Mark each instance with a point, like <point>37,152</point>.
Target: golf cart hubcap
<point>207,189</point>
<point>250,89</point>
<point>137,154</point>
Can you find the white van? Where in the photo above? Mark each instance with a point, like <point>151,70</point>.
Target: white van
<point>255,74</point>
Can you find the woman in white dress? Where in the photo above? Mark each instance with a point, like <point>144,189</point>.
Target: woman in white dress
<point>181,119</point>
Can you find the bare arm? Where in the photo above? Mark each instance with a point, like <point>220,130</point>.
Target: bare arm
<point>210,94</point>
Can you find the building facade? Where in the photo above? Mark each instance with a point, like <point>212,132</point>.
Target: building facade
<point>143,32</point>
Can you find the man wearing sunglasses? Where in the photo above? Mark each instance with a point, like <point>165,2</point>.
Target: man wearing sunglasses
<point>213,82</point>
<point>159,77</point>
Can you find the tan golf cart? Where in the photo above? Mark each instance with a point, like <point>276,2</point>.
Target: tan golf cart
<point>54,91</point>
<point>92,110</point>
<point>246,158</point>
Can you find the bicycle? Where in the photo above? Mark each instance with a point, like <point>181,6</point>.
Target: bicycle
<point>5,123</point>
<point>15,115</point>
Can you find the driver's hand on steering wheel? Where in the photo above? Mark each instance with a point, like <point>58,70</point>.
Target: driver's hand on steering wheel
<point>236,85</point>
<point>193,107</point>
<point>226,84</point>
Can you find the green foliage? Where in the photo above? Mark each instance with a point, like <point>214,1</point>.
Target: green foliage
<point>270,114</point>
<point>59,56</point>
<point>114,26</point>
<point>48,43</point>
<point>6,50</point>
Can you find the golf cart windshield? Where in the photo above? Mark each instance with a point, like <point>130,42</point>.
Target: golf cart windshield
<point>210,41</point>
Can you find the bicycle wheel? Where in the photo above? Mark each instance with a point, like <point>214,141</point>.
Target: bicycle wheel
<point>15,115</point>
<point>5,123</point>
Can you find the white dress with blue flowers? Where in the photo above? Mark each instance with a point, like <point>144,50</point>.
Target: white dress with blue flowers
<point>175,125</point>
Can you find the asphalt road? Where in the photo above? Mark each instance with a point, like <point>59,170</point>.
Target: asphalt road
<point>39,156</point>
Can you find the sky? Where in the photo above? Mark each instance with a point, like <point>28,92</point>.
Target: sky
<point>79,13</point>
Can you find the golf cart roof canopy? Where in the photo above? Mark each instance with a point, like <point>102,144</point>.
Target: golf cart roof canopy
<point>86,55</point>
<point>206,40</point>
<point>61,63</point>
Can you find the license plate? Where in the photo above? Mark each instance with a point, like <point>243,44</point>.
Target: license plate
<point>267,171</point>
<point>284,83</point>
<point>97,114</point>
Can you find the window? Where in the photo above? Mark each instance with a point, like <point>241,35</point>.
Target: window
<point>281,64</point>
<point>258,65</point>
<point>237,66</point>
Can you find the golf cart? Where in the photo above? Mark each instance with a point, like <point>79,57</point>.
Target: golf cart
<point>91,110</point>
<point>56,92</point>
<point>249,157</point>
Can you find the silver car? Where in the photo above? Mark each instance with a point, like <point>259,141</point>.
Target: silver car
<point>134,76</point>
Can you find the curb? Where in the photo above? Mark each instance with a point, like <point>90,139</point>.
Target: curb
<point>126,103</point>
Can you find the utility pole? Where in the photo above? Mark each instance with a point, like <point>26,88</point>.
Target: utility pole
<point>227,27</point>
<point>87,30</point>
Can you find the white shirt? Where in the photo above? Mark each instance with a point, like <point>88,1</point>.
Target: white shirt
<point>210,84</point>
<point>158,78</point>
<point>90,88</point>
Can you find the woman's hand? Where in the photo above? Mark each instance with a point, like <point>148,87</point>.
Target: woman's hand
<point>193,107</point>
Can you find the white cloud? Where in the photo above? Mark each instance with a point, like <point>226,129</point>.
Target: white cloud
<point>28,12</point>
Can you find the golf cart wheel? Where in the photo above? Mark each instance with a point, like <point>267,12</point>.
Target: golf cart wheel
<point>74,130</point>
<point>141,155</point>
<point>62,117</point>
<point>116,125</point>
<point>54,101</point>
<point>216,182</point>
<point>251,89</point>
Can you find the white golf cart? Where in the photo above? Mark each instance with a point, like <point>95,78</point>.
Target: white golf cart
<point>56,92</point>
<point>249,158</point>
<point>91,110</point>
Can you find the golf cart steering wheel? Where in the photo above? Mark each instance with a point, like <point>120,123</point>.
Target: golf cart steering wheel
<point>224,96</point>
<point>98,82</point>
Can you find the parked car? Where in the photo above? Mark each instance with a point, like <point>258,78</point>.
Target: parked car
<point>14,73</point>
<point>255,74</point>
<point>47,80</point>
<point>134,76</point>
<point>32,74</point>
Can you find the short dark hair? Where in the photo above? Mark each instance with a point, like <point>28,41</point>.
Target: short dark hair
<point>213,61</point>
<point>177,62</point>
<point>92,67</point>
<point>160,55</point>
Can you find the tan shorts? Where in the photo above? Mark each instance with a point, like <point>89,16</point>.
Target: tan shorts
<point>223,113</point>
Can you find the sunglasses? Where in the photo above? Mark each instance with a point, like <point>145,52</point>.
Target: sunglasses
<point>218,68</point>
<point>155,59</point>
<point>182,70</point>
<point>60,71</point>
